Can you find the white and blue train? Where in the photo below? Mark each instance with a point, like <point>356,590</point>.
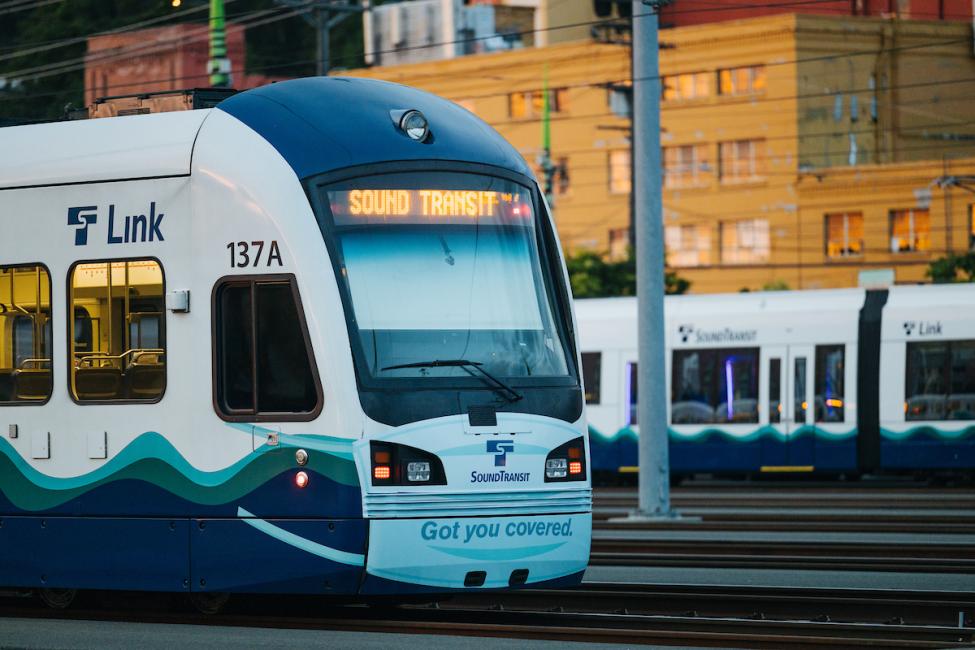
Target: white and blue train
<point>316,339</point>
<point>846,381</point>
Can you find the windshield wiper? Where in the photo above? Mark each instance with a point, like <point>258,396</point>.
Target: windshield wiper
<point>512,394</point>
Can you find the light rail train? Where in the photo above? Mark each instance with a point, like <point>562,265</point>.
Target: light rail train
<point>847,381</point>
<point>316,339</point>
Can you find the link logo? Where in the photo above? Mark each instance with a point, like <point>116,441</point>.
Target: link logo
<point>82,216</point>
<point>500,449</point>
<point>130,229</point>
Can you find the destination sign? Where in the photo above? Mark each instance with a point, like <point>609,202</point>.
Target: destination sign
<point>428,207</point>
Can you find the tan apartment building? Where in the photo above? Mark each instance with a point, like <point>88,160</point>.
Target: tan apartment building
<point>797,149</point>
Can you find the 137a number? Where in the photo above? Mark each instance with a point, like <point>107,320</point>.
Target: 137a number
<point>249,254</point>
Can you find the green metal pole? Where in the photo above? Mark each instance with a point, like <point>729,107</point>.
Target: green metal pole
<point>219,64</point>
<point>545,160</point>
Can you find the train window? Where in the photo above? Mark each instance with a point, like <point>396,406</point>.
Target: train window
<point>25,334</point>
<point>799,390</point>
<point>830,371</point>
<point>940,381</point>
<point>264,364</point>
<point>118,342</point>
<point>591,375</point>
<point>775,391</point>
<point>714,386</point>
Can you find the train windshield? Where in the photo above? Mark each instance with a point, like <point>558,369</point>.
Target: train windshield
<point>444,267</point>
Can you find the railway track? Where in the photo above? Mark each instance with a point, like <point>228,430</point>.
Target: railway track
<point>777,554</point>
<point>603,612</point>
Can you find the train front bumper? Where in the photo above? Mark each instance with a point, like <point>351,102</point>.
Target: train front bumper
<point>448,553</point>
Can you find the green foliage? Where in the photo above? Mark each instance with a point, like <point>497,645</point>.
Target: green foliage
<point>282,48</point>
<point>953,268</point>
<point>776,285</point>
<point>593,276</point>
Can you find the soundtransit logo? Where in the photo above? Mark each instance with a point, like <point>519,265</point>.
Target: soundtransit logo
<point>500,449</point>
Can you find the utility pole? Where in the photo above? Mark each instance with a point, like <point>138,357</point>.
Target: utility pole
<point>326,15</point>
<point>219,65</point>
<point>654,457</point>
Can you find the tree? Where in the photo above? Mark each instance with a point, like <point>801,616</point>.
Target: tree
<point>592,276</point>
<point>952,268</point>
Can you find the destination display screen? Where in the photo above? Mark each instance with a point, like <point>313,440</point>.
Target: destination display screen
<point>429,206</point>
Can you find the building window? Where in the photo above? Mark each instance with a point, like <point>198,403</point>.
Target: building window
<point>562,176</point>
<point>468,104</point>
<point>25,334</point>
<point>528,104</point>
<point>619,171</point>
<point>741,81</point>
<point>118,331</point>
<point>844,234</point>
<point>263,358</point>
<point>688,85</point>
<point>745,242</point>
<point>714,386</point>
<point>910,230</point>
<point>619,243</point>
<point>940,381</point>
<point>685,165</point>
<point>688,245</point>
<point>741,160</point>
<point>591,375</point>
<point>830,375</point>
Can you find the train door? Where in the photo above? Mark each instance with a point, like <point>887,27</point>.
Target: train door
<point>802,436</point>
<point>775,441</point>
<point>788,446</point>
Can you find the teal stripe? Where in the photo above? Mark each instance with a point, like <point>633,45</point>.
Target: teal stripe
<point>289,538</point>
<point>750,436</point>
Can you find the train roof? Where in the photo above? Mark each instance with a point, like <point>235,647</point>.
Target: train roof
<point>317,125</point>
<point>818,300</point>
<point>322,124</point>
<point>79,151</point>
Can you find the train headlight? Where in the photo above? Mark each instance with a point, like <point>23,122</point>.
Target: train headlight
<point>394,464</point>
<point>301,457</point>
<point>415,125</point>
<point>418,471</point>
<point>567,462</point>
<point>556,468</point>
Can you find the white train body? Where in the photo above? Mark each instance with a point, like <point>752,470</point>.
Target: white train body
<point>151,440</point>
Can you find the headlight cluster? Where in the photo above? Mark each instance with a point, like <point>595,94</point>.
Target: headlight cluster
<point>567,463</point>
<point>394,464</point>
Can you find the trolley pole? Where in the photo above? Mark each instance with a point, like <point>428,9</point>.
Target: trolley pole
<point>654,459</point>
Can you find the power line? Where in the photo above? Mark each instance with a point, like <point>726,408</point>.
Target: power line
<point>34,4</point>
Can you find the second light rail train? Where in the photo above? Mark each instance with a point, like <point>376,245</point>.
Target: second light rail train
<point>838,382</point>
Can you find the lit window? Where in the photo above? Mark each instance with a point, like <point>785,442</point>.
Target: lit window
<point>530,103</point>
<point>741,160</point>
<point>688,245</point>
<point>25,333</point>
<point>689,85</point>
<point>685,165</point>
<point>619,171</point>
<point>742,80</point>
<point>910,230</point>
<point>745,242</point>
<point>118,334</point>
<point>619,243</point>
<point>844,234</point>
